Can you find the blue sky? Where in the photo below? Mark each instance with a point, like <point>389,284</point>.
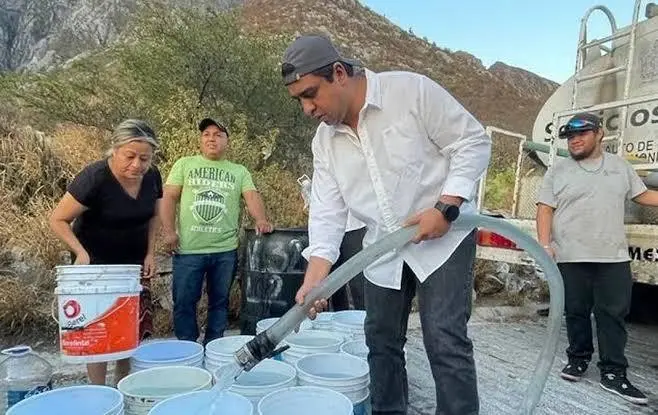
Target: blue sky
<point>537,35</point>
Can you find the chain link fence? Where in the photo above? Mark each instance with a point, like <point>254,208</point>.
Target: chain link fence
<point>503,194</point>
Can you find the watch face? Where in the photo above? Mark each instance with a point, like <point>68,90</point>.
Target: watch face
<point>452,212</point>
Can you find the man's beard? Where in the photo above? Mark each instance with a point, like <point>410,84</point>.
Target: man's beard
<point>581,156</point>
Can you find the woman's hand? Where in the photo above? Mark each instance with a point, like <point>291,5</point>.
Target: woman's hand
<point>148,270</point>
<point>82,258</point>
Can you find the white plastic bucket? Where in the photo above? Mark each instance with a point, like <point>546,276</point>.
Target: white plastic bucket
<point>167,353</point>
<point>309,342</point>
<point>340,372</point>
<point>266,323</point>
<point>98,323</point>
<point>72,276</point>
<point>221,351</point>
<point>200,403</point>
<point>323,321</point>
<point>88,400</point>
<point>357,348</point>
<point>144,389</point>
<point>267,376</point>
<point>350,323</point>
<point>305,400</point>
<point>97,270</point>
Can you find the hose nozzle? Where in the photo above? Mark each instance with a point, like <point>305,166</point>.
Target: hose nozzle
<point>257,350</point>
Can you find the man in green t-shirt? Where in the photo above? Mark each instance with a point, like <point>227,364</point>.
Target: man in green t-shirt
<point>207,189</point>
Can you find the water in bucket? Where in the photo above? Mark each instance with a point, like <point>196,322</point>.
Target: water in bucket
<point>198,403</point>
<point>350,323</point>
<point>310,342</point>
<point>357,348</point>
<point>305,400</point>
<point>323,321</point>
<point>88,400</point>
<point>167,353</point>
<point>267,376</point>
<point>144,389</point>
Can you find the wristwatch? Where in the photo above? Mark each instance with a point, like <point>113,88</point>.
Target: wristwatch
<point>450,212</point>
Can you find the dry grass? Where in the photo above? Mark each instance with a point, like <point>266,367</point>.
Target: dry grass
<point>34,171</point>
<point>24,309</point>
<point>28,167</point>
<point>78,145</point>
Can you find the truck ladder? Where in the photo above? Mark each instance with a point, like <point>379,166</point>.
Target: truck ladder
<point>627,68</point>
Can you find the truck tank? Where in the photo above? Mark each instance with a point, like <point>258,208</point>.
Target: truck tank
<point>640,137</point>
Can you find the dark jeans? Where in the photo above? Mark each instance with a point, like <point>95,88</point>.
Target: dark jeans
<point>351,245</point>
<point>189,271</point>
<point>604,288</point>
<point>445,308</point>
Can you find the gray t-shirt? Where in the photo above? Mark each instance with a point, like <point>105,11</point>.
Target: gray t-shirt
<point>589,199</point>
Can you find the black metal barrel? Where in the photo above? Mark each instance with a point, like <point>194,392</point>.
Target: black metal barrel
<point>273,272</point>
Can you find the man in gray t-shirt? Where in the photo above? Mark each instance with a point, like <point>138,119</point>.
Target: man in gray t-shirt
<point>580,222</point>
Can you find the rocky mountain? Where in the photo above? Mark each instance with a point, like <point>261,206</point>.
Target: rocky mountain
<point>524,81</point>
<point>39,34</point>
<point>503,96</point>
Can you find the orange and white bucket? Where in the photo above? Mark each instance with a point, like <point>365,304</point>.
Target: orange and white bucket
<point>98,312</point>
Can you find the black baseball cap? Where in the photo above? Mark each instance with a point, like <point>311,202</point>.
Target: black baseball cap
<point>309,53</point>
<point>207,122</point>
<point>579,123</point>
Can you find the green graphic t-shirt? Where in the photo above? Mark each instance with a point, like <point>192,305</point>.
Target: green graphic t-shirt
<point>209,208</point>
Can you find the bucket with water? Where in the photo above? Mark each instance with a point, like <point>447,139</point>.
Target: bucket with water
<point>357,348</point>
<point>167,353</point>
<point>221,351</point>
<point>340,372</point>
<point>304,400</point>
<point>201,403</point>
<point>88,400</point>
<point>144,389</point>
<point>98,312</point>
<point>323,321</point>
<point>350,323</point>
<point>266,323</point>
<point>309,342</point>
<point>267,376</point>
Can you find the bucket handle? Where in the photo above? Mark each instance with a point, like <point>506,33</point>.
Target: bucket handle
<point>53,310</point>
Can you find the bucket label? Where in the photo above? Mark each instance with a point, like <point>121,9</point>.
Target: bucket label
<point>98,324</point>
<point>14,397</point>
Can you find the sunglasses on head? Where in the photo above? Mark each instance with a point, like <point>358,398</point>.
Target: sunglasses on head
<point>574,127</point>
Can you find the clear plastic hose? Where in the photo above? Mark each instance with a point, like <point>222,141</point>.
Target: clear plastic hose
<point>341,276</point>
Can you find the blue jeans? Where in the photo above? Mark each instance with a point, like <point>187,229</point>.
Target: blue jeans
<point>189,271</point>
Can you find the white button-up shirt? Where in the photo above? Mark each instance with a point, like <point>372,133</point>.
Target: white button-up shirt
<point>414,142</point>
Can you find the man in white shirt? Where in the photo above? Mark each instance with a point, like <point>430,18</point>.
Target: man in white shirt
<point>394,149</point>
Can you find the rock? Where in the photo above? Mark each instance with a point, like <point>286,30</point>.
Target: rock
<point>490,284</point>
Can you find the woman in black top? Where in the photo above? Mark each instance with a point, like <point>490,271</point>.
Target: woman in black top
<point>113,207</point>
